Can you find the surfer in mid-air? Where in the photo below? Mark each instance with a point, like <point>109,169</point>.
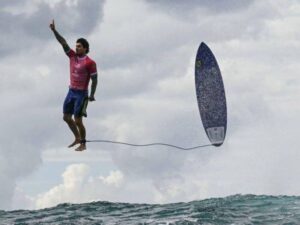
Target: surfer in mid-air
<point>82,69</point>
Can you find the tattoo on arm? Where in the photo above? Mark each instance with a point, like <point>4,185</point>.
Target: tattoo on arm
<point>94,85</point>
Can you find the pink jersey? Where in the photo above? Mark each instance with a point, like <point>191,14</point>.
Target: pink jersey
<point>81,70</point>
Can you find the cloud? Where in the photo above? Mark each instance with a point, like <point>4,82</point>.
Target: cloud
<point>14,158</point>
<point>73,178</point>
<point>79,186</point>
<point>26,25</point>
<point>115,178</point>
<point>214,6</point>
<point>21,200</point>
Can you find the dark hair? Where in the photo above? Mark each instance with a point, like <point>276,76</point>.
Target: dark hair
<point>84,43</point>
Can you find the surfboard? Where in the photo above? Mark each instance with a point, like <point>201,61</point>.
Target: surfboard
<point>210,95</point>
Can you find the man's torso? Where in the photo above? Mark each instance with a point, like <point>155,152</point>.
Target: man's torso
<point>81,70</point>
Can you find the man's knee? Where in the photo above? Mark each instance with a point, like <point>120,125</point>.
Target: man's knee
<point>78,121</point>
<point>67,118</point>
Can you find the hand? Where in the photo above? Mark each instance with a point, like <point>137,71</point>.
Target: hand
<point>52,25</point>
<point>92,98</point>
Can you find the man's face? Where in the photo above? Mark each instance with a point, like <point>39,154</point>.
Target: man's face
<point>80,50</point>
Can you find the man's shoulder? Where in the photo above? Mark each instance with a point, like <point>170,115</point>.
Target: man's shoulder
<point>70,52</point>
<point>91,65</point>
<point>90,60</point>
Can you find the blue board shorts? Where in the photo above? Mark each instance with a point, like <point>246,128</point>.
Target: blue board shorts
<point>76,103</point>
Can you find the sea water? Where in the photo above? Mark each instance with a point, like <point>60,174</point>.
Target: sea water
<point>237,209</point>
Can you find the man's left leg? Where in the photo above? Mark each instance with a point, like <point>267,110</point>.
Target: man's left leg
<point>82,132</point>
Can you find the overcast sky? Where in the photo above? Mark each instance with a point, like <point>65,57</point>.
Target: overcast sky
<point>145,52</point>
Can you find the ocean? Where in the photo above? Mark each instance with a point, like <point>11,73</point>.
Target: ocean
<point>236,209</point>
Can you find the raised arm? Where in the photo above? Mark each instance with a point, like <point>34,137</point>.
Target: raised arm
<point>59,38</point>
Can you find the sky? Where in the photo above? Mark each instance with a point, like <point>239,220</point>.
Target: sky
<point>145,52</point>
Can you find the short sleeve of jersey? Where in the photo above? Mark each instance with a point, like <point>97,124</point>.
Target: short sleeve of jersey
<point>70,53</point>
<point>92,68</point>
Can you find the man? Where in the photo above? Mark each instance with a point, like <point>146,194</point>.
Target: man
<point>82,69</point>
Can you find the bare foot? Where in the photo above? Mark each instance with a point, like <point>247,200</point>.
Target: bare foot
<point>81,147</point>
<point>76,142</point>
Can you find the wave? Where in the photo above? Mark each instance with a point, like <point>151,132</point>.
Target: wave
<point>236,209</point>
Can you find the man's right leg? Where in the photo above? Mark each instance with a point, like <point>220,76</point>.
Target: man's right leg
<point>72,125</point>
